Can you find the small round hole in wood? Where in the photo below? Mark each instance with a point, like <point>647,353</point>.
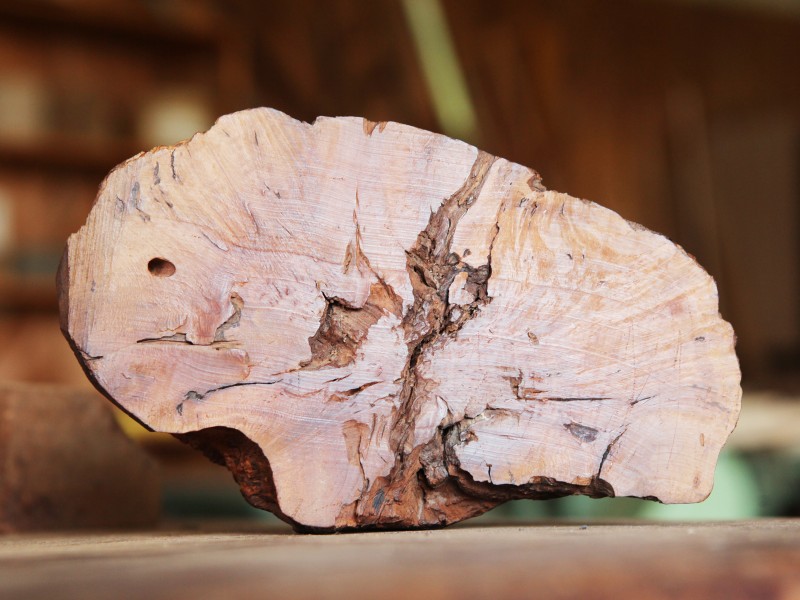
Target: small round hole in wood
<point>161,267</point>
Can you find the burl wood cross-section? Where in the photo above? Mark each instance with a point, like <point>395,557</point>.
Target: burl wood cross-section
<point>374,326</point>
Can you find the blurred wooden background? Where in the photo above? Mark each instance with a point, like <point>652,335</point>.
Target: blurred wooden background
<point>683,115</point>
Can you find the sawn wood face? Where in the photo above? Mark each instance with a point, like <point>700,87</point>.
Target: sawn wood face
<point>375,326</point>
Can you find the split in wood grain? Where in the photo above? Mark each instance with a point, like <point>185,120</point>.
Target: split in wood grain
<point>375,326</point>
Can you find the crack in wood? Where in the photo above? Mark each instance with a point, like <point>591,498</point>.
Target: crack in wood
<point>390,355</point>
<point>607,451</point>
<point>233,321</point>
<point>431,266</point>
<point>194,395</point>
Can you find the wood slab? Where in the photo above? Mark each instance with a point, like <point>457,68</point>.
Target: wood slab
<point>375,326</point>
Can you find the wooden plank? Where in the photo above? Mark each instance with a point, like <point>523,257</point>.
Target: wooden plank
<point>633,560</point>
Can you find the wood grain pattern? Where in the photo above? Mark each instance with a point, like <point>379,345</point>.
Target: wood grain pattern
<point>641,561</point>
<point>377,326</point>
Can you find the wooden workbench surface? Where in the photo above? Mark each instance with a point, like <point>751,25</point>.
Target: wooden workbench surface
<point>755,559</point>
